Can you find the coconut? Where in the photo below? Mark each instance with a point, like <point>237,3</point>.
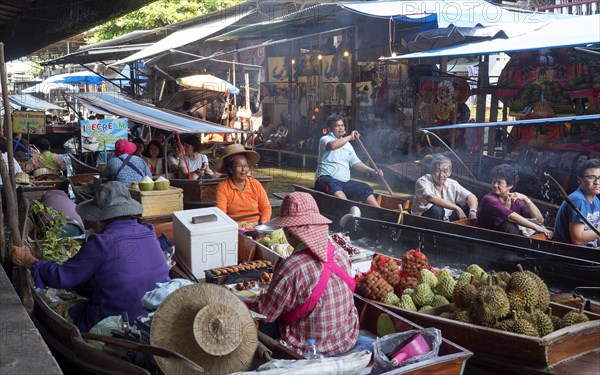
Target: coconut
<point>161,183</point>
<point>146,184</point>
<point>22,178</point>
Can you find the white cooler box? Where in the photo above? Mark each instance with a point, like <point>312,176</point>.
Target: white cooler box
<point>207,244</point>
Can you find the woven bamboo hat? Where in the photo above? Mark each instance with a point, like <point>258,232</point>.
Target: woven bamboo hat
<point>236,149</point>
<point>207,324</point>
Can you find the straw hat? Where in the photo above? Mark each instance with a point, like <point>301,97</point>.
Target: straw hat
<point>45,172</point>
<point>111,199</point>
<point>235,149</point>
<point>207,324</point>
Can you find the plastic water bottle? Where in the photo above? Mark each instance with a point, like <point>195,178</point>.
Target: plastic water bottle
<point>311,350</point>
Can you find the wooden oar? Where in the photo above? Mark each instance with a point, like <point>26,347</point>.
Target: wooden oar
<point>387,186</point>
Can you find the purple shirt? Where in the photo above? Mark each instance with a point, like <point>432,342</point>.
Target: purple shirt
<point>492,212</point>
<point>121,264</point>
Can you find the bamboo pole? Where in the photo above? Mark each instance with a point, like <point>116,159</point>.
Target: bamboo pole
<point>389,189</point>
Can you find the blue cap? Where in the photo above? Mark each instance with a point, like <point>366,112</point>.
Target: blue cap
<point>310,341</point>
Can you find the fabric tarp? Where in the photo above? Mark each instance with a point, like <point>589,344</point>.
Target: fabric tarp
<point>568,32</point>
<point>184,36</point>
<point>150,115</point>
<point>518,123</point>
<point>31,102</point>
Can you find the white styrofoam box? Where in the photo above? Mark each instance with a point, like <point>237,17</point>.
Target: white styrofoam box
<point>205,245</point>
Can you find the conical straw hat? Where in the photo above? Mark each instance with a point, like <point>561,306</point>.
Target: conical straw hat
<point>207,324</point>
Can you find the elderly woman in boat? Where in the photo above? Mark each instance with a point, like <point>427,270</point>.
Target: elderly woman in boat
<point>194,165</point>
<point>120,263</point>
<point>310,296</point>
<point>437,196</point>
<point>240,196</point>
<point>507,211</point>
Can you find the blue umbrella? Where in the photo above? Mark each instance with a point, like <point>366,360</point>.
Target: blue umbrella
<point>81,78</point>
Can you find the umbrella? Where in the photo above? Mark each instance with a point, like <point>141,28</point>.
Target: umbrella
<point>79,78</point>
<point>207,82</point>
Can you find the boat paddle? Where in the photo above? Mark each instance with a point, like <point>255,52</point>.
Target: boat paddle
<point>565,196</point>
<point>387,186</point>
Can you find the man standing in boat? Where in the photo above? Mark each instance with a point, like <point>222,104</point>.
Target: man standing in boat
<point>336,156</point>
<point>437,196</point>
<point>569,226</point>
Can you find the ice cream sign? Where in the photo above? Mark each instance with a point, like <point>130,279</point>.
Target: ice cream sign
<point>98,135</point>
<point>31,122</point>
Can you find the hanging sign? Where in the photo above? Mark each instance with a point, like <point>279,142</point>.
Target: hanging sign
<point>32,122</point>
<point>100,135</point>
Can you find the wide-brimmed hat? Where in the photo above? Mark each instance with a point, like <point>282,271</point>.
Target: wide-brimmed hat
<point>123,146</point>
<point>236,149</point>
<point>299,214</point>
<point>111,199</point>
<point>207,324</point>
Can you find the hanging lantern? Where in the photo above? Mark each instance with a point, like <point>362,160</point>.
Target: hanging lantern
<point>316,109</point>
<point>314,118</point>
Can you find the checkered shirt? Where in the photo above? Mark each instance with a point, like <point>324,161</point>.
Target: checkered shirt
<point>333,322</point>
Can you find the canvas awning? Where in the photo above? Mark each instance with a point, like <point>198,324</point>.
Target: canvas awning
<point>150,115</point>
<point>31,102</point>
<point>185,36</point>
<point>518,123</point>
<point>567,32</point>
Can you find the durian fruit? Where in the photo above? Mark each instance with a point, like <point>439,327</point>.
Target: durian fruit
<point>477,272</point>
<point>461,316</point>
<point>522,290</point>
<point>574,317</point>
<point>491,303</point>
<point>498,281</point>
<point>445,286</point>
<point>427,277</point>
<point>391,299</point>
<point>465,276</point>
<point>542,289</point>
<point>439,300</point>
<point>426,307</point>
<point>520,326</point>
<point>446,314</point>
<point>555,319</point>
<point>542,323</point>
<point>407,303</point>
<point>464,294</point>
<point>423,295</point>
<point>504,276</point>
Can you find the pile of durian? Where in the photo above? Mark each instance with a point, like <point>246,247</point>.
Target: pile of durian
<point>517,302</point>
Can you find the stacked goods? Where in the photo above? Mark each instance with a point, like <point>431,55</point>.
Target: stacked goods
<point>413,261</point>
<point>245,285</point>
<point>387,268</point>
<point>516,302</point>
<point>266,277</point>
<point>244,266</point>
<point>344,243</point>
<point>373,285</point>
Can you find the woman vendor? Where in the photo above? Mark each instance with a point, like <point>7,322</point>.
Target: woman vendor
<point>194,165</point>
<point>240,196</point>
<point>121,263</point>
<point>505,211</point>
<point>311,292</point>
<point>153,155</point>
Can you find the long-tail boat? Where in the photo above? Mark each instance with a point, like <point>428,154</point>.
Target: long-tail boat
<point>80,167</point>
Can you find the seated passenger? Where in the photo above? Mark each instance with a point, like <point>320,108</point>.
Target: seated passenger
<point>505,211</point>
<point>194,165</point>
<point>154,157</point>
<point>46,159</point>
<point>126,167</point>
<point>240,196</point>
<point>569,226</point>
<point>295,300</point>
<point>121,263</point>
<point>437,196</point>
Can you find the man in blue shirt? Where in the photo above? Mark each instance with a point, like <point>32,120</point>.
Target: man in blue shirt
<point>569,226</point>
<point>336,156</point>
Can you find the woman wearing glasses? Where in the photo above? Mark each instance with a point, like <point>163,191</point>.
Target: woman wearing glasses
<point>240,196</point>
<point>507,211</point>
<point>569,226</point>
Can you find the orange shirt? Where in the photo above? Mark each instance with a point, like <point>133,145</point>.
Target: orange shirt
<point>236,203</point>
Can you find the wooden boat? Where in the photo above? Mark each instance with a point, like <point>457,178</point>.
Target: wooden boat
<point>576,265</point>
<point>81,184</point>
<point>79,167</point>
<point>202,193</point>
<point>570,350</point>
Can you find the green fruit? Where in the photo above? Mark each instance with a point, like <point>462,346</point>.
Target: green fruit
<point>427,277</point>
<point>463,295</point>
<point>573,317</point>
<point>146,186</point>
<point>427,307</point>
<point>491,303</point>
<point>439,300</point>
<point>445,274</point>
<point>407,303</point>
<point>477,272</point>
<point>543,323</point>
<point>162,183</point>
<point>408,291</point>
<point>391,299</point>
<point>465,276</point>
<point>446,287</point>
<point>542,291</point>
<point>423,295</point>
<point>524,289</point>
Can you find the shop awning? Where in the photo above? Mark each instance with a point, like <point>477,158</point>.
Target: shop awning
<point>185,36</point>
<point>31,102</point>
<point>150,115</point>
<point>518,123</point>
<point>568,32</point>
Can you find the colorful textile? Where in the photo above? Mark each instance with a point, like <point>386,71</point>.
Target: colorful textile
<point>492,212</point>
<point>48,160</point>
<point>333,322</point>
<point>235,202</point>
<point>335,163</point>
<point>120,264</point>
<point>567,215</point>
<point>126,175</point>
<point>452,192</point>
